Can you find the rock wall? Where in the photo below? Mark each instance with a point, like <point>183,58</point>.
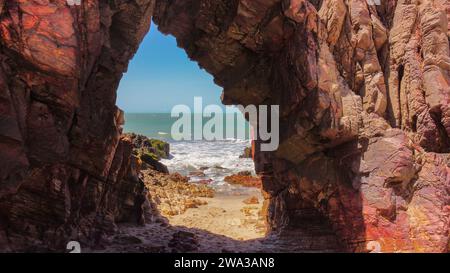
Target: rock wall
<point>65,172</point>
<point>363,93</point>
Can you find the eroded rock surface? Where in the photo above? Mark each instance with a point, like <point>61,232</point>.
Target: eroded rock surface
<point>364,117</point>
<point>65,173</point>
<point>363,93</point>
<point>173,194</point>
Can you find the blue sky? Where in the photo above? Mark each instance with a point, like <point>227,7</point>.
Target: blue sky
<point>161,76</point>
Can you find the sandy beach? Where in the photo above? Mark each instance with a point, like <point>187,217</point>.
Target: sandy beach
<point>226,215</point>
<point>224,223</point>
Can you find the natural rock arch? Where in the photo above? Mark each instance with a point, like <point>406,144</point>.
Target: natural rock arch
<point>363,92</point>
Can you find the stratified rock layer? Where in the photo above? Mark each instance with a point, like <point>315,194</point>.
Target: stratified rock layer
<point>65,172</point>
<point>363,93</point>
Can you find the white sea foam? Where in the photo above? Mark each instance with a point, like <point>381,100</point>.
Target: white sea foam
<point>218,158</point>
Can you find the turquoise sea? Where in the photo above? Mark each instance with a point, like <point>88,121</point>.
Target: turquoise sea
<point>158,125</point>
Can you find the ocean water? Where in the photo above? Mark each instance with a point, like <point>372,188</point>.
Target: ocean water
<point>216,159</point>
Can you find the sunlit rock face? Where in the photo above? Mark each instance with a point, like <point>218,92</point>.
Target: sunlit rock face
<point>364,117</point>
<point>363,92</point>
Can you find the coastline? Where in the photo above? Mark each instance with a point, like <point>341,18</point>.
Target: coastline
<point>183,216</point>
<point>233,208</point>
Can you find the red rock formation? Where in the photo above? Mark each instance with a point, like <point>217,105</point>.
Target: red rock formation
<point>243,180</point>
<point>65,173</point>
<point>363,93</point>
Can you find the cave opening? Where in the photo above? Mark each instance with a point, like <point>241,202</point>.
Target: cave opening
<point>207,188</point>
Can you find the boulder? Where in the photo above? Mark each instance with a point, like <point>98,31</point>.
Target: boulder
<point>243,180</point>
